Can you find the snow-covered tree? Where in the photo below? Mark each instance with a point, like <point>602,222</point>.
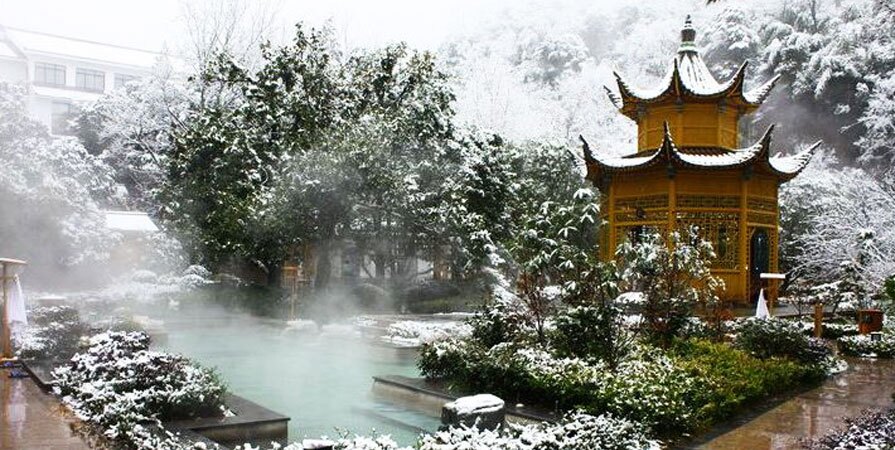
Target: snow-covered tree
<point>314,147</point>
<point>131,130</point>
<point>49,187</point>
<point>673,276</point>
<point>824,212</point>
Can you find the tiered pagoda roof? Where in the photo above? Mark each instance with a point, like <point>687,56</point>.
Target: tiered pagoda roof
<point>668,155</point>
<point>689,80</point>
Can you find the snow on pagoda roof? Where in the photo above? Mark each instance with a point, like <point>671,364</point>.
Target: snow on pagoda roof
<point>129,221</point>
<point>670,155</point>
<point>794,164</point>
<point>690,77</point>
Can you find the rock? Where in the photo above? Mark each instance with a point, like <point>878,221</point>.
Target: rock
<point>317,444</point>
<point>484,411</point>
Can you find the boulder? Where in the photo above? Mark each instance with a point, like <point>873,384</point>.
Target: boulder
<point>483,411</point>
<point>317,444</point>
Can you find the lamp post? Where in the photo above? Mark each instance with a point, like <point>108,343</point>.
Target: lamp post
<point>8,271</point>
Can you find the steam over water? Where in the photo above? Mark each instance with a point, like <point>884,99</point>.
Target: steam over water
<point>321,378</point>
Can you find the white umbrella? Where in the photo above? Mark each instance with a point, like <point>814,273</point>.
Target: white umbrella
<point>761,311</point>
<point>16,308</point>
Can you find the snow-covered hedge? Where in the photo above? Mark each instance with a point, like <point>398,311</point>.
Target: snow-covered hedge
<point>864,345</point>
<point>671,391</point>
<point>52,333</point>
<point>577,432</point>
<point>870,431</point>
<point>119,386</point>
<point>354,443</point>
<point>647,387</point>
<point>831,330</point>
<point>413,333</point>
<point>771,337</point>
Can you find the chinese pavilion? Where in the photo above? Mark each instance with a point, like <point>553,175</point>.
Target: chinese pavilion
<point>689,169</point>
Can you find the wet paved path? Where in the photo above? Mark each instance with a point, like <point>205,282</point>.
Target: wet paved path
<point>31,419</point>
<point>811,414</point>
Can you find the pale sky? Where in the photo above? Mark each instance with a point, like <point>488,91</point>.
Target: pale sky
<point>153,24</point>
<point>159,24</point>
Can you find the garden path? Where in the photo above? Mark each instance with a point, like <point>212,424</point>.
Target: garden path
<point>866,384</point>
<point>31,419</point>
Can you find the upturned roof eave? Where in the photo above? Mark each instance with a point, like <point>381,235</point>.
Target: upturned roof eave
<point>668,153</point>
<point>676,89</point>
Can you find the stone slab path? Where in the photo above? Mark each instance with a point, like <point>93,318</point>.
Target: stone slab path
<point>32,419</point>
<point>811,414</point>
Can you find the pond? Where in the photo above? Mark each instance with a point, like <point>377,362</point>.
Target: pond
<point>320,377</point>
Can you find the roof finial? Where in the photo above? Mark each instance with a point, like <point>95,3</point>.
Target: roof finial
<point>688,35</point>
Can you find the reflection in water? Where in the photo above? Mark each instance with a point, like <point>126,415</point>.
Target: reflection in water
<point>29,420</point>
<point>867,384</point>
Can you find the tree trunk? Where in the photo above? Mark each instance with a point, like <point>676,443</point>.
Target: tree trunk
<point>324,266</point>
<point>274,274</point>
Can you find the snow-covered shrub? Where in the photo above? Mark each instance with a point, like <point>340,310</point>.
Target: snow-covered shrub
<point>864,345</point>
<point>674,277</point>
<point>118,385</point>
<point>412,333</point>
<point>831,330</point>
<point>646,387</point>
<point>772,337</point>
<point>870,431</point>
<point>383,442</point>
<point>366,443</point>
<point>730,378</point>
<point>651,388</point>
<point>454,359</point>
<point>577,431</point>
<point>53,333</point>
<point>502,321</point>
<point>591,332</point>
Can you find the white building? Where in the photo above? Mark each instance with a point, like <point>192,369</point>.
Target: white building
<point>62,72</point>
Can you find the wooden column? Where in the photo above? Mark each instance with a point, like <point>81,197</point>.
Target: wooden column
<point>744,237</point>
<point>818,319</point>
<point>672,204</point>
<point>610,221</point>
<point>5,344</point>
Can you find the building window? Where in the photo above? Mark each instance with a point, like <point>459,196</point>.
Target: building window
<point>62,113</point>
<point>49,74</point>
<point>122,79</point>
<point>90,80</point>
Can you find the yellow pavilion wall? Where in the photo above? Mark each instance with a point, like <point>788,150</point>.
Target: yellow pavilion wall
<point>727,205</point>
<point>691,125</point>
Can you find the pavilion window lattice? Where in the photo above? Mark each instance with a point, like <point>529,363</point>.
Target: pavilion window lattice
<point>708,201</point>
<point>645,209</point>
<point>632,233</point>
<point>719,228</point>
<point>766,205</point>
<point>642,202</point>
<point>760,218</point>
